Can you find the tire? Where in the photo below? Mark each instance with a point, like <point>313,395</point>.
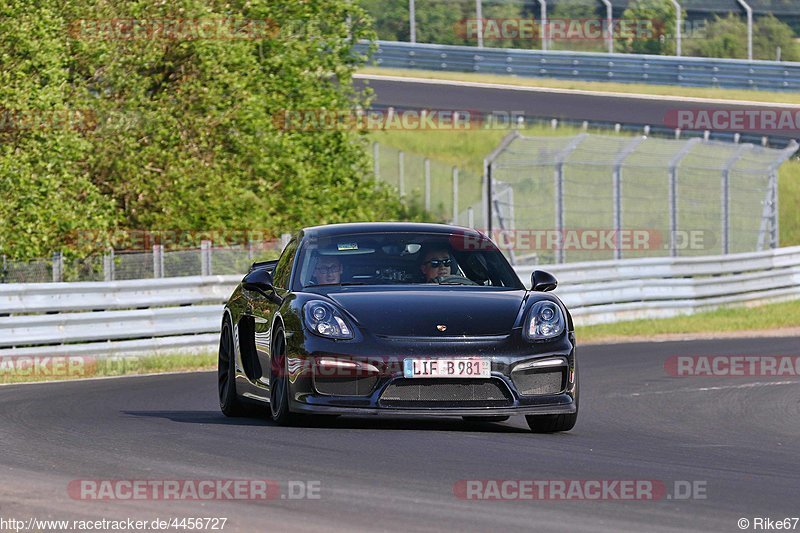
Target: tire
<point>555,423</point>
<point>499,418</point>
<point>551,423</point>
<point>229,402</point>
<point>279,384</point>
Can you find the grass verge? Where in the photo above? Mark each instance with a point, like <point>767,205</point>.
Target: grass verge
<point>727,320</point>
<point>599,86</point>
<point>62,368</point>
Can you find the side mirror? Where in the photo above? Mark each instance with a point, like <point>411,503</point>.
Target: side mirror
<point>542,281</point>
<point>260,281</point>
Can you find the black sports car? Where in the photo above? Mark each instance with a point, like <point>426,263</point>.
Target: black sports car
<point>397,319</point>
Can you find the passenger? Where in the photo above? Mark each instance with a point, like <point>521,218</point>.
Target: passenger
<point>435,264</point>
<point>328,270</point>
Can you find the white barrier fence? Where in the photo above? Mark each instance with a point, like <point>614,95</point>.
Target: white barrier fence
<point>184,314</point>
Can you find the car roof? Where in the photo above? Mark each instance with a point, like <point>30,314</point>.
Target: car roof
<point>387,227</point>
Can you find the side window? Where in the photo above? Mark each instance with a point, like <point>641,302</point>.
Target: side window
<point>283,270</point>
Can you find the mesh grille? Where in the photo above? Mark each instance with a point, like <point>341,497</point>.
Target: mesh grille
<point>531,383</point>
<point>445,393</point>
<point>343,386</point>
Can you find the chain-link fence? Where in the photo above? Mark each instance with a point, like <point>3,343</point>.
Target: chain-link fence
<point>447,193</point>
<point>597,197</point>
<point>154,263</point>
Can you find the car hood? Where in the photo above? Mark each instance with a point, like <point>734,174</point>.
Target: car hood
<point>420,312</point>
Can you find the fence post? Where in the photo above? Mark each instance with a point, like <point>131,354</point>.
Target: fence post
<point>455,195</point>
<point>376,161</point>
<point>58,267</point>
<point>401,173</point>
<point>673,194</point>
<point>205,258</point>
<point>617,188</point>
<point>726,198</point>
<point>108,265</point>
<point>158,260</point>
<point>559,191</point>
<point>427,184</point>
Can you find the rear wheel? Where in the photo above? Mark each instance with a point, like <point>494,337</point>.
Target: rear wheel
<point>279,384</point>
<point>499,418</point>
<point>229,402</point>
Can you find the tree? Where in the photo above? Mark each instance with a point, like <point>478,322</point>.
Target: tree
<point>769,33</point>
<point>184,133</point>
<point>723,37</point>
<point>660,17</point>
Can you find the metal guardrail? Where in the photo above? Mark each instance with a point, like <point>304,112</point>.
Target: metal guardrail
<point>612,291</point>
<point>109,318</point>
<point>585,66</point>
<point>184,314</point>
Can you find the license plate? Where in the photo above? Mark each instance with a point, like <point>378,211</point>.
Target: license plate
<point>447,368</point>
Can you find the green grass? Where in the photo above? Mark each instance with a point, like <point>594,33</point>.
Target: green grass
<point>731,319</point>
<point>75,367</point>
<point>628,88</point>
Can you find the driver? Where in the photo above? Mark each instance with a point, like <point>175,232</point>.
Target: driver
<point>435,264</point>
<point>328,270</point>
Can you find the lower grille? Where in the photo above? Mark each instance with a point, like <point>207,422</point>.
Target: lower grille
<point>345,386</point>
<point>535,382</point>
<point>446,393</point>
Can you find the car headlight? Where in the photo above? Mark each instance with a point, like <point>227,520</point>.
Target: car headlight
<point>325,320</point>
<point>545,321</point>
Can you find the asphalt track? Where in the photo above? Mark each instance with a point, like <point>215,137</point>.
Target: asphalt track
<point>737,437</point>
<point>545,103</point>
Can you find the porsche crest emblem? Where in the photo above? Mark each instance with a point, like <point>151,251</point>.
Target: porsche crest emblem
<point>441,327</point>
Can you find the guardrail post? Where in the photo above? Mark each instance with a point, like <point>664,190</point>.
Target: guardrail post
<point>401,185</point>
<point>58,267</point>
<point>455,195</point>
<point>205,258</point>
<point>158,260</point>
<point>108,265</point>
<point>427,166</point>
<point>376,161</point>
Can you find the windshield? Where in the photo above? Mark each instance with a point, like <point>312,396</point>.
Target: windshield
<point>403,258</point>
